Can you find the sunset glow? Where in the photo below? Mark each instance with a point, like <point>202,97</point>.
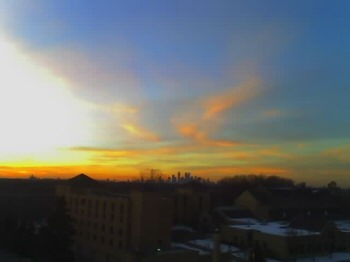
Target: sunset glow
<point>38,114</point>
<point>110,89</point>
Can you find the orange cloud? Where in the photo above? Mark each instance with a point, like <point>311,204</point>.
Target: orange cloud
<point>128,119</point>
<point>199,125</point>
<point>140,132</point>
<point>231,98</point>
<point>341,153</point>
<point>192,131</point>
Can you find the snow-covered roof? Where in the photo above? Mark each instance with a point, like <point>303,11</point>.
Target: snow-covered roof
<point>208,243</point>
<point>182,228</point>
<point>188,247</point>
<point>275,228</point>
<point>343,225</point>
<point>245,220</point>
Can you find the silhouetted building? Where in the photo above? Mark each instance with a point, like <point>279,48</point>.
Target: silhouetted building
<point>192,204</point>
<point>285,203</point>
<point>109,226</point>
<point>114,227</point>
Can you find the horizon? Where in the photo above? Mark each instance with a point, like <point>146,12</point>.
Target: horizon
<point>215,88</point>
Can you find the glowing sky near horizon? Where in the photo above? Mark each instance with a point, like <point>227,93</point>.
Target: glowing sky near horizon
<point>217,88</point>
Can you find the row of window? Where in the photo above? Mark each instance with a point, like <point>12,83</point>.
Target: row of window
<point>95,203</point>
<point>97,215</point>
<point>312,248</point>
<point>102,227</point>
<point>185,203</point>
<point>102,239</point>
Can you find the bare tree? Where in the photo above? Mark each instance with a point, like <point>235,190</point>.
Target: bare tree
<point>151,175</point>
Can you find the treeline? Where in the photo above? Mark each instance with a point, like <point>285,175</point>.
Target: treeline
<point>252,180</point>
<point>39,242</point>
<point>228,188</point>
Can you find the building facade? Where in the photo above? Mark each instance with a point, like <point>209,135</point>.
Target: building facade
<point>110,227</point>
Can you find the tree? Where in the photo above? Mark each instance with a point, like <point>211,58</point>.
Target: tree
<point>55,239</point>
<point>252,180</point>
<point>151,175</point>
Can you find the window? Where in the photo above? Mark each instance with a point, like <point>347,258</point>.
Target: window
<point>112,206</point>
<point>111,242</point>
<point>120,245</point>
<point>103,228</point>
<point>121,208</point>
<point>120,232</point>
<point>111,229</point>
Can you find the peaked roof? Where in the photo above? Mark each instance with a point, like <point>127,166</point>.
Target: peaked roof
<point>295,197</point>
<point>82,180</point>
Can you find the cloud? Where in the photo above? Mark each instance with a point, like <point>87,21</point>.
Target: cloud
<point>128,118</point>
<point>103,75</point>
<point>340,154</point>
<point>140,132</point>
<point>205,116</point>
<point>231,98</point>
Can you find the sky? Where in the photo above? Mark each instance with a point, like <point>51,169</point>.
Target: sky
<point>215,88</point>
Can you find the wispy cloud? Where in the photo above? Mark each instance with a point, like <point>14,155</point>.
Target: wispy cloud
<point>231,98</point>
<point>128,118</point>
<point>102,76</point>
<point>339,153</point>
<point>206,116</point>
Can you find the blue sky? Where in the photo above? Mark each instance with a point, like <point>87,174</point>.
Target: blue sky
<point>262,84</point>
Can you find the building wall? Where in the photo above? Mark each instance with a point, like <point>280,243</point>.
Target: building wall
<point>248,201</point>
<point>150,221</point>
<point>191,207</point>
<point>108,227</point>
<point>278,246</point>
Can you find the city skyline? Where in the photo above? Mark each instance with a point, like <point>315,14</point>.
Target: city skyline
<point>214,88</point>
